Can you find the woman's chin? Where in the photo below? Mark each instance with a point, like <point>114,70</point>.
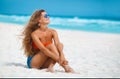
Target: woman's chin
<point>47,22</point>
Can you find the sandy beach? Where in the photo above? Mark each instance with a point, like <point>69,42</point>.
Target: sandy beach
<point>90,54</point>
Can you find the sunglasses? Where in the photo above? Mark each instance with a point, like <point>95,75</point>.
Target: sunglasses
<point>46,16</point>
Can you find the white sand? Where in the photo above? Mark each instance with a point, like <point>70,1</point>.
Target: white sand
<point>90,54</point>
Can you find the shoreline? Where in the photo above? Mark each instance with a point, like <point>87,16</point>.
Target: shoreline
<point>85,31</point>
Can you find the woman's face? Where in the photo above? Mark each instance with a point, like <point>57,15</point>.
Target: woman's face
<point>44,18</point>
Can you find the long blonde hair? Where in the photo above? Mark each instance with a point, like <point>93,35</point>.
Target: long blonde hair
<point>30,27</point>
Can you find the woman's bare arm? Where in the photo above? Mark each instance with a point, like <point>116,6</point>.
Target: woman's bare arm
<point>56,41</point>
<point>58,45</point>
<point>42,48</point>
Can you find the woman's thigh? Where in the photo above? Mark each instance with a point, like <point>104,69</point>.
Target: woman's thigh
<point>54,50</point>
<point>38,60</point>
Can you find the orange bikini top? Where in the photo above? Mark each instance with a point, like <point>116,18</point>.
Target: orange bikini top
<point>45,44</point>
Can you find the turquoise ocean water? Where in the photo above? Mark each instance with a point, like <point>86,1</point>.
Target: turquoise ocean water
<point>70,23</point>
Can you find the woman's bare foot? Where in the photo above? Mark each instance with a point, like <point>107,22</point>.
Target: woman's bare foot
<point>68,69</point>
<point>50,70</point>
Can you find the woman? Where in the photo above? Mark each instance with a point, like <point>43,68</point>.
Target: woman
<point>41,44</point>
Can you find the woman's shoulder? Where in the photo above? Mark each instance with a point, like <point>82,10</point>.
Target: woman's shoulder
<point>34,32</point>
<point>52,30</point>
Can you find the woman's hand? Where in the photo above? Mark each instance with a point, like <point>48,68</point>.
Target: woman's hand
<point>63,61</point>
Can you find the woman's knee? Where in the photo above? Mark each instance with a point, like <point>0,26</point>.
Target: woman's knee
<point>60,46</point>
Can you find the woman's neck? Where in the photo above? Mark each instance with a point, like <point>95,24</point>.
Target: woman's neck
<point>43,27</point>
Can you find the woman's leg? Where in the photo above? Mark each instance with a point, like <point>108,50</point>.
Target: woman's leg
<point>65,62</point>
<point>50,62</point>
<point>60,49</point>
<point>38,60</point>
<point>49,65</point>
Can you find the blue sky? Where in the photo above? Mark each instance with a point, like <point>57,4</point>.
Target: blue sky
<point>83,8</point>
